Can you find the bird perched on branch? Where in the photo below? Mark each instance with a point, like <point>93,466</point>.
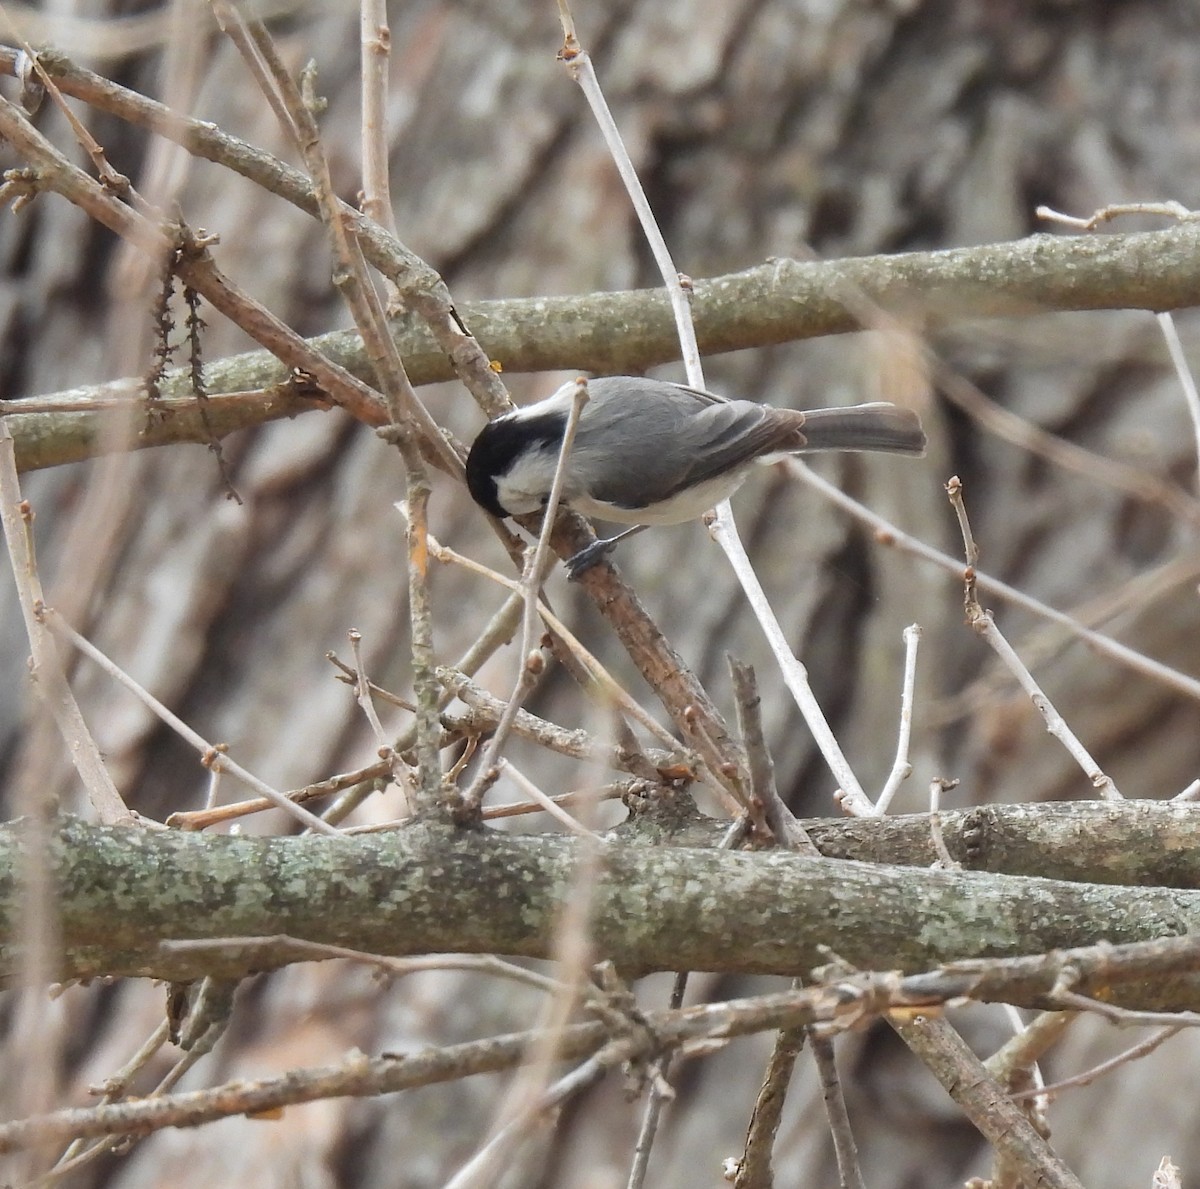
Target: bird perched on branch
<point>649,452</point>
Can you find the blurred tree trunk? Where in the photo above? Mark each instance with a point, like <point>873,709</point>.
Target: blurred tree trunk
<point>758,129</point>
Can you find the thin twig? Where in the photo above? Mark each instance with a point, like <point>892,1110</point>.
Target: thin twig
<point>887,533</point>
<point>1133,1053</point>
<point>723,528</point>
<point>212,755</point>
<point>537,566</point>
<point>982,623</point>
<point>765,796</point>
<point>376,40</point>
<point>660,1091</point>
<point>550,804</point>
<point>901,768</point>
<point>606,683</point>
<point>47,670</point>
<point>1186,380</point>
<point>844,1147</point>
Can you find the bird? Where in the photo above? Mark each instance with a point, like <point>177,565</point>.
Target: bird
<point>651,452</point>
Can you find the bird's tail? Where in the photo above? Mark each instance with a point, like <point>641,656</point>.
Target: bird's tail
<point>877,426</point>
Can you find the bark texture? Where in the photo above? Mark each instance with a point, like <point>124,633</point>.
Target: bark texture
<point>757,127</point>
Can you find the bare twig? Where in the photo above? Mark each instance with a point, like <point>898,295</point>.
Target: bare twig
<point>983,1101</point>
<point>844,1147</point>
<point>765,798</point>
<point>211,755</point>
<point>376,40</point>
<point>552,805</point>
<point>755,1170</point>
<point>981,621</point>
<point>1133,1053</point>
<point>1186,380</point>
<point>901,768</point>
<point>47,670</point>
<point>887,533</point>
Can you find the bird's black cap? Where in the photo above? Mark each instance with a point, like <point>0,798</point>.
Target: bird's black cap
<point>498,446</point>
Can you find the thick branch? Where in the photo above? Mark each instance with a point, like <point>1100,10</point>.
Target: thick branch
<point>773,303</point>
<point>435,889</point>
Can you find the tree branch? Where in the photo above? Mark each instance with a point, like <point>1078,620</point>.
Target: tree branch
<point>777,302</point>
<point>432,888</point>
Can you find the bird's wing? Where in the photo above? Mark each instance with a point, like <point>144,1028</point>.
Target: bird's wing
<point>685,436</point>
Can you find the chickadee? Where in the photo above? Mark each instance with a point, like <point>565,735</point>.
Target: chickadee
<point>648,452</point>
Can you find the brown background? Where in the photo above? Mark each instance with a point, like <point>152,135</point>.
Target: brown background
<point>757,127</point>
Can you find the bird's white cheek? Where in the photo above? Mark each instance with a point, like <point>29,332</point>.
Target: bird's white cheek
<point>526,486</point>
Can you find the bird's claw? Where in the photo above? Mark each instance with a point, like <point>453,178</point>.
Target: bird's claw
<point>587,557</point>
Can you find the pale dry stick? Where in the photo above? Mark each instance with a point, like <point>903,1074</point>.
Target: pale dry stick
<point>214,790</point>
<point>544,801</point>
<point>887,533</point>
<point>113,180</point>
<point>1133,481</point>
<point>397,769</point>
<point>1133,1053</point>
<point>484,711</point>
<point>765,798</point>
<point>633,786</point>
<point>536,568</point>
<point>362,692</point>
<point>982,623</point>
<point>206,1022</point>
<point>410,421</point>
<point>788,833</point>
<point>901,768</point>
<point>1186,380</point>
<point>1121,1016</point>
<point>1054,1021</point>
<point>112,1089</point>
<point>1028,1044</point>
<point>937,786</point>
<point>376,39</point>
<point>579,66</point>
<point>47,671</point>
<point>851,796</point>
<point>497,632</point>
<point>201,819</point>
<point>484,1167</point>
<point>1191,793</point>
<point>1170,209</point>
<point>211,755</point>
<point>230,22</point>
<point>1133,596</point>
<point>660,1092</point>
<point>611,792</point>
<point>723,528</point>
<point>1117,210</point>
<point>573,958</point>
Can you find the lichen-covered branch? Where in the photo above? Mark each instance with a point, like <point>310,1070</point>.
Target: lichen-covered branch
<point>434,888</point>
<point>772,303</point>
